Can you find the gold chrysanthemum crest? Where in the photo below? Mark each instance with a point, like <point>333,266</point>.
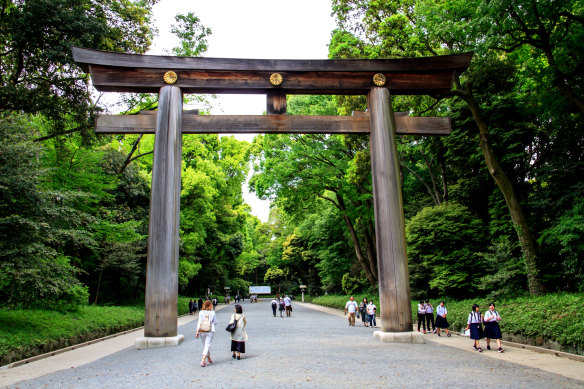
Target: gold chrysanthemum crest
<point>170,77</point>
<point>379,79</point>
<point>276,79</point>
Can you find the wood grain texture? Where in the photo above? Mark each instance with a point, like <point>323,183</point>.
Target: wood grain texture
<point>241,124</point>
<point>87,57</point>
<point>163,236</point>
<point>111,79</point>
<point>115,72</point>
<point>276,103</point>
<point>392,262</point>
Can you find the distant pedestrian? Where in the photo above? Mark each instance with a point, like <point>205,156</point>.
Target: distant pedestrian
<point>363,310</point>
<point>274,306</point>
<point>288,306</point>
<point>422,315</point>
<point>351,308</point>
<point>239,336</point>
<point>281,307</point>
<point>206,330</point>
<point>371,311</point>
<point>200,303</point>
<point>214,302</point>
<point>475,318</point>
<point>441,321</point>
<point>191,307</point>
<point>430,316</point>
<point>492,330</point>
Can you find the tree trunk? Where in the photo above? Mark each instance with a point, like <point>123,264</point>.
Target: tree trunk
<point>340,204</point>
<point>526,239</point>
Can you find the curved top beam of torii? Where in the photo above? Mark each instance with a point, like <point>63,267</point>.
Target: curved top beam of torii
<point>115,72</point>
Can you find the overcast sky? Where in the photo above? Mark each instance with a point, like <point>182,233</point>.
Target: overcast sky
<point>263,29</point>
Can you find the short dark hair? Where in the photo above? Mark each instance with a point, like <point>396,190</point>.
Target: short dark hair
<point>427,300</point>
<point>238,308</point>
<point>474,307</point>
<point>421,301</point>
<point>493,304</point>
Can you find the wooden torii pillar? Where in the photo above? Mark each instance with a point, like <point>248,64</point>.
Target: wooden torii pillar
<point>173,76</point>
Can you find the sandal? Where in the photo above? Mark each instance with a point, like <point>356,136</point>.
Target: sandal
<point>209,359</point>
<point>203,364</point>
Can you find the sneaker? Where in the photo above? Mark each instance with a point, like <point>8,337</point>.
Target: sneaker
<point>448,334</point>
<point>480,350</point>
<point>488,347</point>
<point>434,331</point>
<point>475,348</point>
<point>500,349</point>
<point>424,331</point>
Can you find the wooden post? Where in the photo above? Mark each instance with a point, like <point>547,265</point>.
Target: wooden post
<point>392,262</point>
<point>276,103</point>
<point>163,241</point>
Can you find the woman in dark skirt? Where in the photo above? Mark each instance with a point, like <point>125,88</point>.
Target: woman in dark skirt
<point>441,321</point>
<point>474,323</point>
<point>492,330</point>
<point>363,311</point>
<point>239,336</point>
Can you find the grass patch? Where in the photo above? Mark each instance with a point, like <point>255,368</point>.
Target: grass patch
<point>556,317</point>
<point>38,328</point>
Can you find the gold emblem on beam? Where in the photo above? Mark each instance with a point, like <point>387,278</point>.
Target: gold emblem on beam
<point>379,79</point>
<point>170,77</point>
<point>276,79</point>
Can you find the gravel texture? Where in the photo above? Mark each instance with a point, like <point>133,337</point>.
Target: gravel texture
<point>311,349</point>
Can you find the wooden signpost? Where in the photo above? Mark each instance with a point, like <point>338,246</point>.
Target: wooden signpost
<point>173,76</point>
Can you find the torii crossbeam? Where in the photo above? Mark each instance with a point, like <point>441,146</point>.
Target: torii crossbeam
<point>173,76</point>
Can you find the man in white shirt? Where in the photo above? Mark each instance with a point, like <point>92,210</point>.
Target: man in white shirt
<point>288,305</point>
<point>351,308</point>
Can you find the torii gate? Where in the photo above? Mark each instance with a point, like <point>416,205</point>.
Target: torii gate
<point>173,76</point>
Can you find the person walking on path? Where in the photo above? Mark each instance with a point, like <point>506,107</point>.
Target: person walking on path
<point>274,306</point>
<point>351,308</point>
<point>191,307</point>
<point>363,310</point>
<point>422,315</point>
<point>430,316</point>
<point>239,336</point>
<point>492,330</point>
<point>214,301</point>
<point>200,303</point>
<point>281,307</point>
<point>206,330</point>
<point>288,305</point>
<point>475,318</point>
<point>371,311</point>
<point>441,321</point>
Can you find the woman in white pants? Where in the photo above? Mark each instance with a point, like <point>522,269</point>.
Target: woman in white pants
<point>206,330</point>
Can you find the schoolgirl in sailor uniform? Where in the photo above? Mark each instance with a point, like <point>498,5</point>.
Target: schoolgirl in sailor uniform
<point>492,330</point>
<point>430,316</point>
<point>475,318</point>
<point>422,315</point>
<point>441,321</point>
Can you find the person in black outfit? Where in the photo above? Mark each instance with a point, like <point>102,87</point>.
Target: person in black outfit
<point>200,303</point>
<point>191,307</point>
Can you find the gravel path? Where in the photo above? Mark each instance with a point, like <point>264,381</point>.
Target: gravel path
<point>311,349</point>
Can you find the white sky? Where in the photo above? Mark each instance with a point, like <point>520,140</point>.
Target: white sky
<point>263,29</point>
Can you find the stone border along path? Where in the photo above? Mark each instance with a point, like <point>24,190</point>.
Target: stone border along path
<point>312,349</point>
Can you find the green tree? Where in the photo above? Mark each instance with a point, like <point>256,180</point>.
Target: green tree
<point>38,71</point>
<point>33,224</point>
<point>442,244</point>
